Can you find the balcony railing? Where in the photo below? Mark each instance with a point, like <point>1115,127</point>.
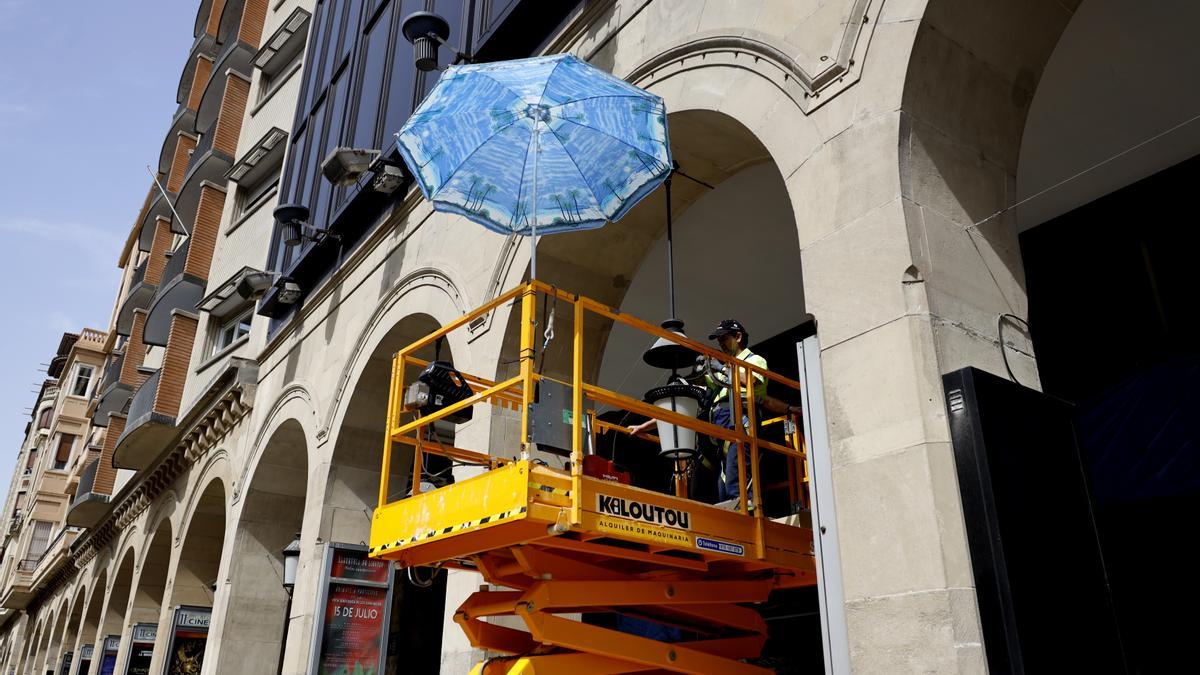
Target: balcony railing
<point>94,338</point>
<point>143,400</point>
<point>202,149</point>
<point>112,371</point>
<point>136,297</point>
<point>88,506</point>
<point>27,564</point>
<point>87,479</point>
<point>139,274</point>
<point>175,264</point>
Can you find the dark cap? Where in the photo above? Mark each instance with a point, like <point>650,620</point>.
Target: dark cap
<point>728,326</point>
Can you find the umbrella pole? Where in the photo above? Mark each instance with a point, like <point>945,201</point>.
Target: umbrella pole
<point>537,150</point>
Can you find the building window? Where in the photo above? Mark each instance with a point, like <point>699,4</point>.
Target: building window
<point>257,173</point>
<point>231,330</point>
<point>82,383</point>
<point>280,53</point>
<point>40,540</point>
<point>19,505</point>
<point>44,417</point>
<point>66,443</point>
<point>249,197</point>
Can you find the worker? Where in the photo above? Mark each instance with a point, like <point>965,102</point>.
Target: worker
<point>732,337</point>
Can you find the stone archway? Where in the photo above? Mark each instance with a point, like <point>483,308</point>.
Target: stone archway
<point>89,633</point>
<point>56,642</point>
<point>352,492</point>
<point>1012,104</point>
<point>146,604</point>
<point>116,606</point>
<point>271,514</point>
<point>74,625</point>
<point>33,649</point>
<point>195,580</point>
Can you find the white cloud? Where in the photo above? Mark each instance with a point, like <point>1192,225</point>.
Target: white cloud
<point>100,247</point>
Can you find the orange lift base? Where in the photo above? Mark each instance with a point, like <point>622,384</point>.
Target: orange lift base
<point>632,551</point>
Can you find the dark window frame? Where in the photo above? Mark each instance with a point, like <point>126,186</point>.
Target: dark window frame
<point>330,109</point>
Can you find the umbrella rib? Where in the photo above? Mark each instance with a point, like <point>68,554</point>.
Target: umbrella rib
<point>605,133</point>
<point>593,98</point>
<point>500,84</point>
<point>425,119</point>
<point>595,200</point>
<point>546,84</point>
<point>472,154</point>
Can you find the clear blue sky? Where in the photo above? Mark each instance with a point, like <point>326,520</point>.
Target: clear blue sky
<point>87,90</point>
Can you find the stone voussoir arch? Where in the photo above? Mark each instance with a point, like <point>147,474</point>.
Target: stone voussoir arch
<point>215,468</point>
<point>389,312</point>
<point>294,404</point>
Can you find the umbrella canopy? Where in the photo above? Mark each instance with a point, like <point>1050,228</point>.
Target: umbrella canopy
<point>536,146</point>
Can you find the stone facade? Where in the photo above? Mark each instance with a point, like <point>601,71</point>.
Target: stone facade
<point>894,128</point>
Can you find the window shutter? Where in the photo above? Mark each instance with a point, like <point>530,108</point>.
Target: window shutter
<point>65,443</point>
<point>40,540</point>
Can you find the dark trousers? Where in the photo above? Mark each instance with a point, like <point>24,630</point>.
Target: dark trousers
<point>728,482</point>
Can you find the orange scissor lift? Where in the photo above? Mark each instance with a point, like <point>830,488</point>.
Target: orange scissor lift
<point>559,544</point>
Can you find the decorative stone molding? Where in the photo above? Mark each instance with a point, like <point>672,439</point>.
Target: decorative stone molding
<point>771,58</point>
<point>226,402</point>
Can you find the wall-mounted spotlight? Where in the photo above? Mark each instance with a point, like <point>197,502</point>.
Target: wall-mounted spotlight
<point>254,284</point>
<point>344,166</point>
<point>289,291</point>
<point>427,31</point>
<point>294,227</point>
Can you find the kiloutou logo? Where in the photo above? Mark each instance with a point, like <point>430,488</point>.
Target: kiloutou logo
<point>643,511</point>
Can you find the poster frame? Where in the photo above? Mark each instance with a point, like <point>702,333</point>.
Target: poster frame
<point>327,580</point>
<point>133,642</point>
<point>175,629</point>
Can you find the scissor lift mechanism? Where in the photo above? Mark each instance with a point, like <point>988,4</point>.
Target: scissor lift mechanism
<point>567,544</point>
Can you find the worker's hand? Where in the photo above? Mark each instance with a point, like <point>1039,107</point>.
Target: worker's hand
<point>639,429</point>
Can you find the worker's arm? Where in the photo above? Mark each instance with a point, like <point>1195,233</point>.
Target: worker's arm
<point>775,406</point>
<point>638,429</point>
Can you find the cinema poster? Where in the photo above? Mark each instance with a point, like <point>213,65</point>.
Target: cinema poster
<point>356,598</point>
<point>189,636</point>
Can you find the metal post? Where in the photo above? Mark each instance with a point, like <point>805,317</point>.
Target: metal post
<point>287,623</point>
<point>528,311</point>
<point>393,402</point>
<point>577,419</point>
<point>834,640</point>
<point>670,254</point>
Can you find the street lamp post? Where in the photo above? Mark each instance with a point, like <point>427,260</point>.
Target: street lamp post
<point>291,561</point>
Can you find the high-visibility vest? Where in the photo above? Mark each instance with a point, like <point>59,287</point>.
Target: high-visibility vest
<point>760,382</point>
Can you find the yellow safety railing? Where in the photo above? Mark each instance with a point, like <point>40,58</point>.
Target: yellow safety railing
<point>517,392</point>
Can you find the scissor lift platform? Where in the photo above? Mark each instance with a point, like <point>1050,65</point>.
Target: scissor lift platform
<point>523,504</point>
<point>559,548</point>
<point>642,553</point>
